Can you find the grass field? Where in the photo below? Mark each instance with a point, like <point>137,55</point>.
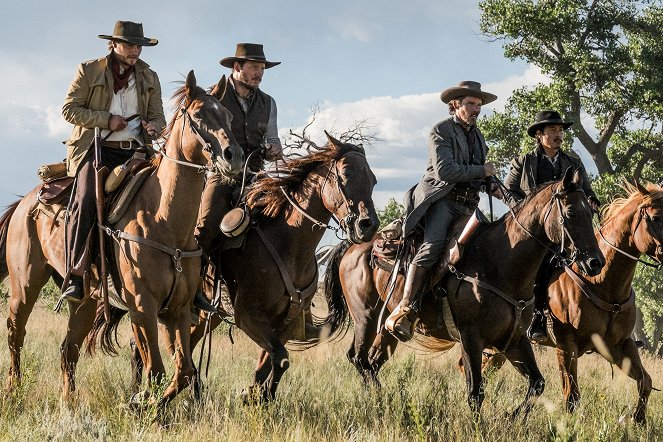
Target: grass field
<point>320,398</point>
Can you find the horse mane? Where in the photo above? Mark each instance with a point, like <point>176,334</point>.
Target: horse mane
<point>633,195</point>
<point>266,196</point>
<point>179,98</point>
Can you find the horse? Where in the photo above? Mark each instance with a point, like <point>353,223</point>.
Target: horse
<point>156,260</point>
<point>272,277</point>
<point>488,293</point>
<point>597,314</point>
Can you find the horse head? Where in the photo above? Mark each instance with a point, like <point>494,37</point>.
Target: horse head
<point>648,235</point>
<point>209,127</point>
<point>569,219</point>
<point>351,199</point>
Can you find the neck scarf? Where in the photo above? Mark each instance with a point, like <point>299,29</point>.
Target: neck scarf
<point>120,80</point>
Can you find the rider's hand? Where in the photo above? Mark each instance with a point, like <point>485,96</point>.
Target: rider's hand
<point>116,122</point>
<point>150,128</point>
<point>273,151</point>
<point>489,169</point>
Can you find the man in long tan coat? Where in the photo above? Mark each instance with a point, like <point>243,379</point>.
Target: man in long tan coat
<point>121,95</point>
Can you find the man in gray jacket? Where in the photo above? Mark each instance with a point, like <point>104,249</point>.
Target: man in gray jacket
<point>449,189</point>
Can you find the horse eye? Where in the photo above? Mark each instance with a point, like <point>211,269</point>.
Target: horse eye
<point>196,115</point>
<point>570,214</point>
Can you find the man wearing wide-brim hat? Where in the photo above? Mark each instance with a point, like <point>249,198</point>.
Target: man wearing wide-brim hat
<point>254,126</point>
<point>105,93</point>
<point>547,162</point>
<point>455,173</point>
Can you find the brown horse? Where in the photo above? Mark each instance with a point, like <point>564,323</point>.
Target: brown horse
<point>272,277</point>
<point>156,258</point>
<point>598,313</point>
<point>489,297</point>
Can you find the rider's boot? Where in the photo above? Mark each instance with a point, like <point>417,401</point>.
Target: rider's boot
<point>75,290</point>
<point>537,331</point>
<point>403,318</point>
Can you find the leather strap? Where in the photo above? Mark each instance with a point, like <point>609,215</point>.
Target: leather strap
<point>600,303</point>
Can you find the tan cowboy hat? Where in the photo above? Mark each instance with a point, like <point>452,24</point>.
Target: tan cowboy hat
<point>465,89</point>
<point>130,32</point>
<point>248,52</point>
<point>545,118</point>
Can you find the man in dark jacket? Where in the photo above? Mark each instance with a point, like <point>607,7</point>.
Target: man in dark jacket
<point>546,163</point>
<point>449,189</point>
<point>254,127</point>
<point>103,94</point>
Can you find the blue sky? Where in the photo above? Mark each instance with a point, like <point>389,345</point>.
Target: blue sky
<point>380,61</point>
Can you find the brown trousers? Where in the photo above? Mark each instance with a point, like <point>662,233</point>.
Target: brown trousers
<point>216,202</point>
<point>83,209</point>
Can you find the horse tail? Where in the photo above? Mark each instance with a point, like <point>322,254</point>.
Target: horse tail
<point>4,227</point>
<point>337,320</point>
<point>105,332</point>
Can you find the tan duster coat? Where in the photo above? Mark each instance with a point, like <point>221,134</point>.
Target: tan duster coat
<point>89,98</point>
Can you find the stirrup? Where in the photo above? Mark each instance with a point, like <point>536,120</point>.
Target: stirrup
<point>201,303</point>
<point>401,324</point>
<point>537,332</point>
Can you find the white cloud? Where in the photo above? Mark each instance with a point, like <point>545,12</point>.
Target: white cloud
<point>402,124</point>
<point>353,28</point>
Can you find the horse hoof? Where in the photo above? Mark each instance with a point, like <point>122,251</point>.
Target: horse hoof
<point>140,401</point>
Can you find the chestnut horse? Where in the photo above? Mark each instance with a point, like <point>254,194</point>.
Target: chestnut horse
<point>156,257</point>
<point>272,277</point>
<point>489,295</point>
<point>598,313</point>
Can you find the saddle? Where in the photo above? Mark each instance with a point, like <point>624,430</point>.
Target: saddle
<point>57,191</point>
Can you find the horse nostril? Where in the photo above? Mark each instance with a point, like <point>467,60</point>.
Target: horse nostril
<point>595,264</point>
<point>365,223</point>
<point>227,155</point>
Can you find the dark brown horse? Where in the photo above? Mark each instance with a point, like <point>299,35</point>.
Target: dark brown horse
<point>157,262</point>
<point>490,295</point>
<point>598,313</point>
<point>273,276</point>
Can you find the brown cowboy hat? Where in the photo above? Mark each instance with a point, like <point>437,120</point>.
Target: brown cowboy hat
<point>545,118</point>
<point>248,52</point>
<point>130,32</point>
<point>465,89</point>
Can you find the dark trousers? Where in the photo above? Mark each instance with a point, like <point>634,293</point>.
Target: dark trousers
<point>216,202</point>
<point>542,280</point>
<point>437,221</point>
<point>83,208</point>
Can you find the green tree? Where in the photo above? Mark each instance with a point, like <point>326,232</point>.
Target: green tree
<point>604,59</point>
<point>392,210</point>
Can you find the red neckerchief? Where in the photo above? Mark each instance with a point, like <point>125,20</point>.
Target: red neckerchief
<point>120,80</point>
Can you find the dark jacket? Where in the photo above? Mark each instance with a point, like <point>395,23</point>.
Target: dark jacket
<point>448,164</point>
<point>249,128</point>
<point>522,178</point>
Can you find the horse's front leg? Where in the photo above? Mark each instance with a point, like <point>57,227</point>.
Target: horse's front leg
<point>472,347</point>
<point>521,356</point>
<point>627,358</point>
<point>146,336</point>
<point>81,321</point>
<point>567,361</point>
<point>177,328</point>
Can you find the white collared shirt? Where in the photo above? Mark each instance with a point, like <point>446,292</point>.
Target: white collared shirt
<point>125,104</point>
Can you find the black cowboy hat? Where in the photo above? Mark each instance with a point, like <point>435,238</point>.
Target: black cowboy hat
<point>467,89</point>
<point>545,118</point>
<point>130,32</point>
<point>248,52</point>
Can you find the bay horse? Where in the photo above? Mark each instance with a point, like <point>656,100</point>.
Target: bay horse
<point>597,313</point>
<point>157,262</point>
<point>489,293</point>
<point>273,276</point>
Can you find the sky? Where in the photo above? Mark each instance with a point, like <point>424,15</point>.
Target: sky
<point>380,61</point>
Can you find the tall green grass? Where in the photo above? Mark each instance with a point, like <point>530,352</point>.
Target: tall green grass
<point>320,398</point>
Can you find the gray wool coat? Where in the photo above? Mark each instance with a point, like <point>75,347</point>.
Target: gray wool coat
<point>448,164</point>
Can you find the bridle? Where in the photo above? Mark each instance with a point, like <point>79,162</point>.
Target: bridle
<point>346,224</point>
<point>648,220</point>
<point>555,200</point>
<point>207,147</point>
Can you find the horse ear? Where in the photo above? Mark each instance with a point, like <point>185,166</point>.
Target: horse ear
<point>219,89</point>
<point>333,140</point>
<point>577,177</point>
<point>569,176</point>
<point>190,83</point>
<point>639,186</point>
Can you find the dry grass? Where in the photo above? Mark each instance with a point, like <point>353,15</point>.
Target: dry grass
<point>320,398</point>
